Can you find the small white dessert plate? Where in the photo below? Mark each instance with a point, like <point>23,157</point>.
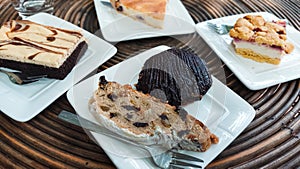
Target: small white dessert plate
<point>224,112</point>
<point>253,74</point>
<point>23,102</point>
<point>116,27</point>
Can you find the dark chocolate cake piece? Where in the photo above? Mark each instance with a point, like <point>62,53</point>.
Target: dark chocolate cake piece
<point>175,76</point>
<point>37,49</point>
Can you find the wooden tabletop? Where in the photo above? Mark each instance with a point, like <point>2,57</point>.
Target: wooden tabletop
<point>270,141</point>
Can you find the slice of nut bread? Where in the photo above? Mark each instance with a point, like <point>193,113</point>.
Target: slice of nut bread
<point>146,119</point>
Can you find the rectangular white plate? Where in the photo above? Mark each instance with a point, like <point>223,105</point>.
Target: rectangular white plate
<point>253,74</point>
<point>223,111</point>
<point>117,27</point>
<point>23,102</point>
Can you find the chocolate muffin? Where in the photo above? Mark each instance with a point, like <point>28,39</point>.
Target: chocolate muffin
<point>176,76</point>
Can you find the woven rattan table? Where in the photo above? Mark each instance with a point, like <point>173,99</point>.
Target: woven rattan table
<point>270,141</point>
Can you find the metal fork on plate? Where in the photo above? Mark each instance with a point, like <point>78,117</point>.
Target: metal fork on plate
<point>166,159</point>
<point>224,29</point>
<point>22,78</point>
<point>220,28</point>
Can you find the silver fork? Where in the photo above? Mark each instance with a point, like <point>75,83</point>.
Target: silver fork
<point>224,29</point>
<point>106,3</point>
<point>22,78</point>
<point>220,28</point>
<point>166,159</point>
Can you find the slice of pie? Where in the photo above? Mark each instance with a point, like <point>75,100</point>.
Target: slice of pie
<point>150,12</point>
<point>260,40</point>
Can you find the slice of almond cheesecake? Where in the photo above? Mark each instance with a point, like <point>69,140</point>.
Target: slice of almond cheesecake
<point>150,12</point>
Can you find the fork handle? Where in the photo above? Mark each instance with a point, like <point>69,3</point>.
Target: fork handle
<point>89,125</point>
<point>12,77</point>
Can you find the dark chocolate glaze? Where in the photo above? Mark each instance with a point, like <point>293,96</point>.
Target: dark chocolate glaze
<point>51,39</point>
<point>33,56</point>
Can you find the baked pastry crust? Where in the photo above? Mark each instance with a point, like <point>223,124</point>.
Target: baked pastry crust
<point>250,54</point>
<point>151,12</point>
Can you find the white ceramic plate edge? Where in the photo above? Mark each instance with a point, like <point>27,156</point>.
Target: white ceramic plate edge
<point>251,81</point>
<point>27,109</point>
<point>243,111</point>
<point>182,16</point>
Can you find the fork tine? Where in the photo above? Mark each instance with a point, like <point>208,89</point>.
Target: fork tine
<point>36,77</point>
<point>184,164</point>
<point>25,81</point>
<point>211,25</point>
<point>175,167</point>
<point>29,77</point>
<point>182,156</point>
<point>219,28</point>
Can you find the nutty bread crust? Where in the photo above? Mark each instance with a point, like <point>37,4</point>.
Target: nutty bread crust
<point>144,118</point>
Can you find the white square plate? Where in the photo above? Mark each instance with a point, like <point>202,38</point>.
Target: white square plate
<point>253,74</point>
<point>116,27</point>
<point>23,102</point>
<point>223,111</point>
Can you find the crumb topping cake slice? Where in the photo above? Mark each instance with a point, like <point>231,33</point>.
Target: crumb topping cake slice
<point>150,12</point>
<point>259,40</point>
<point>143,118</point>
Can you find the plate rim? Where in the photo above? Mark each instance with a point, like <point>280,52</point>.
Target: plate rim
<point>249,110</point>
<point>151,34</point>
<point>21,115</point>
<point>253,82</point>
